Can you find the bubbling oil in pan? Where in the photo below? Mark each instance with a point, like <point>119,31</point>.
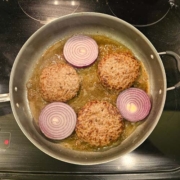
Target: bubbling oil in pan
<point>91,88</point>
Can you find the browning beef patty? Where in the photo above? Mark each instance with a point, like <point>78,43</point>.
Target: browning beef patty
<point>58,82</point>
<point>99,123</point>
<point>118,71</point>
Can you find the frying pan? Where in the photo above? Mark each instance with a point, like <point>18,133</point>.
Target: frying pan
<point>88,23</point>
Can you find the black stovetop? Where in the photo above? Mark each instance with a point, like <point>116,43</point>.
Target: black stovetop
<point>157,158</point>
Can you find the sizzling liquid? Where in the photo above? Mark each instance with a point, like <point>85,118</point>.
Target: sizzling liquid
<point>91,88</point>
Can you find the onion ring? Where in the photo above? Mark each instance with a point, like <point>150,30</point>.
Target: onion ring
<point>134,104</point>
<point>80,50</point>
<point>57,120</point>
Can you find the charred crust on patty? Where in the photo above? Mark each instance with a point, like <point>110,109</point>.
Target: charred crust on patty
<point>118,71</point>
<point>58,82</point>
<point>99,123</point>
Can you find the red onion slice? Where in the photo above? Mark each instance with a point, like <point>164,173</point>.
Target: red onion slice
<point>80,50</point>
<point>57,120</point>
<point>134,104</point>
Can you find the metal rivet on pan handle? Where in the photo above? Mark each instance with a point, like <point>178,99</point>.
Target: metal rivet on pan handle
<point>177,58</point>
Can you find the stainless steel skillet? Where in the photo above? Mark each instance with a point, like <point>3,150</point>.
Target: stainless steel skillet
<point>92,23</point>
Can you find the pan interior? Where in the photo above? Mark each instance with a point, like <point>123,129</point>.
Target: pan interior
<point>88,23</point>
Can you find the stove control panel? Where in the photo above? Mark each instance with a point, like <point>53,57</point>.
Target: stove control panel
<point>5,138</point>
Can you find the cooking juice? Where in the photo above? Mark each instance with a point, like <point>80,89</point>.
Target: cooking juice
<point>91,88</point>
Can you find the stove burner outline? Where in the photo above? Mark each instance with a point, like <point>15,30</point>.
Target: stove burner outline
<point>171,5</point>
<point>43,10</point>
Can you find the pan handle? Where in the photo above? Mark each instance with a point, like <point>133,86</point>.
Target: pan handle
<point>4,97</point>
<point>177,58</point>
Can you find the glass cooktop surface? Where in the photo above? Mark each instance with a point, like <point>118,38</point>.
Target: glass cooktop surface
<point>138,13</point>
<point>158,156</point>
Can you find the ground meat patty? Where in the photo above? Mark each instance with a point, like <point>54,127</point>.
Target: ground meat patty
<point>118,71</point>
<point>99,123</point>
<point>58,82</point>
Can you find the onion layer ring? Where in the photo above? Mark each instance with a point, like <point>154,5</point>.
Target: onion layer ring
<point>80,50</point>
<point>57,120</point>
<point>134,104</point>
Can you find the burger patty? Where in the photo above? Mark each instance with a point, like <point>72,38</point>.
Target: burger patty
<point>99,123</point>
<point>118,71</point>
<point>59,82</point>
